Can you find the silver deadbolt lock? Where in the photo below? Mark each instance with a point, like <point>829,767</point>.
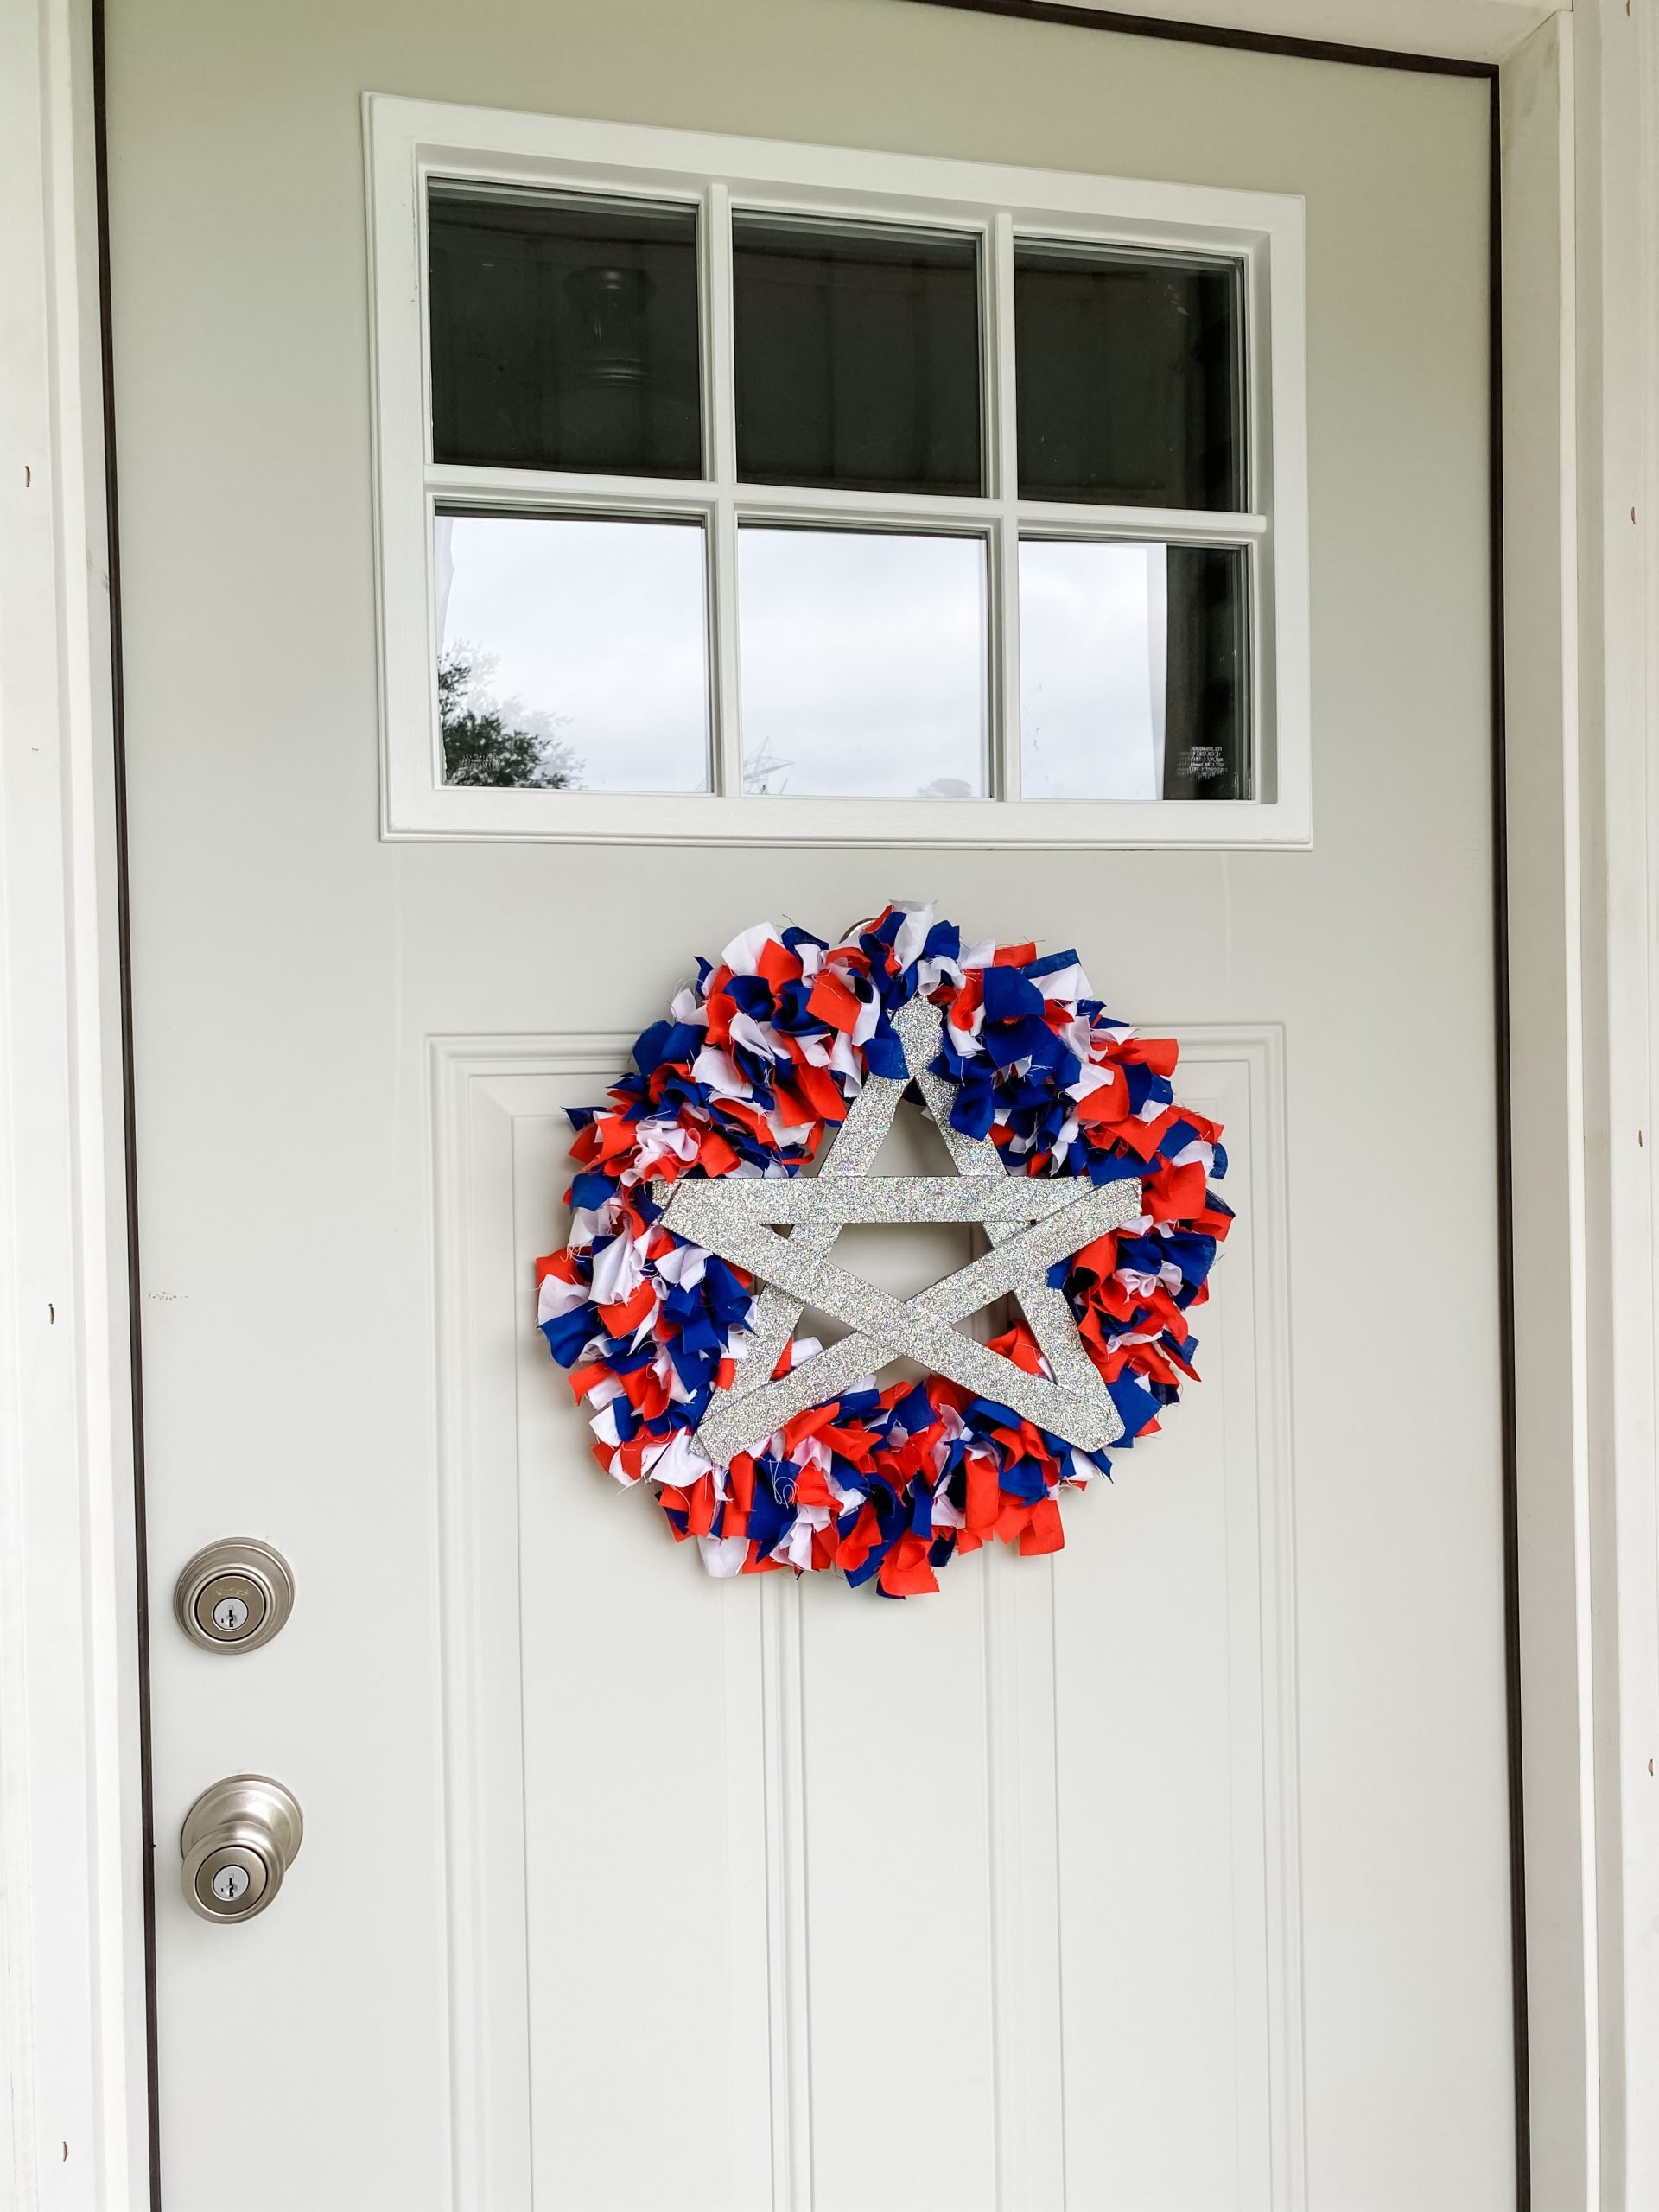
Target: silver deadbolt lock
<point>239,1839</point>
<point>235,1596</point>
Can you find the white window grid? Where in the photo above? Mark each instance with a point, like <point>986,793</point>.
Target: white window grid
<point>410,145</point>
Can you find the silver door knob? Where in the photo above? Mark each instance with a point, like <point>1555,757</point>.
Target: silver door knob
<point>239,1839</point>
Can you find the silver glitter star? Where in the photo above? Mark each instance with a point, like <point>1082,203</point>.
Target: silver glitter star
<point>1031,1222</point>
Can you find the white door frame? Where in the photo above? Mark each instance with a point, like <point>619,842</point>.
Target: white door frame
<point>1580,102</point>
<point>74,2122</point>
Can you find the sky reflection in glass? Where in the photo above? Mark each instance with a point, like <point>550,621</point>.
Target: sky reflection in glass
<point>864,664</point>
<point>1092,669</point>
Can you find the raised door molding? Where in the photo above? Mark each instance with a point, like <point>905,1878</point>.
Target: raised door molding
<point>493,1100</point>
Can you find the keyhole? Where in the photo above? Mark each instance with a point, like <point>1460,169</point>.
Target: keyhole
<point>229,1615</point>
<point>231,1882</point>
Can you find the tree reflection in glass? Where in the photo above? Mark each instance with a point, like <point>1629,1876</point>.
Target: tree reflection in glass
<point>572,652</point>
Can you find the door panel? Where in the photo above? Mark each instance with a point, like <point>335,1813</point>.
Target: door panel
<point>1043,1833</point>
<point>1169,1875</point>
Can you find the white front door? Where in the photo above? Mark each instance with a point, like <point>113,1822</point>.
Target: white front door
<point>1164,1873</point>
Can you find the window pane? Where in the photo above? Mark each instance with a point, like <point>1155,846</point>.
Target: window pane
<point>572,654</point>
<point>864,663</point>
<point>1132,672</point>
<point>857,356</point>
<point>564,333</point>
<point>1127,378</point>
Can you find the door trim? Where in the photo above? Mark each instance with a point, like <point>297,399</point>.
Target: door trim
<point>75,2060</point>
<point>1579,104</point>
<point>1127,24</point>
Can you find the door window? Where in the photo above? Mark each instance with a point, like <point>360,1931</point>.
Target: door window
<point>782,497</point>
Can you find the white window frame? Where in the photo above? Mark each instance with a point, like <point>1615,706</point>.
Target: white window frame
<point>412,142</point>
